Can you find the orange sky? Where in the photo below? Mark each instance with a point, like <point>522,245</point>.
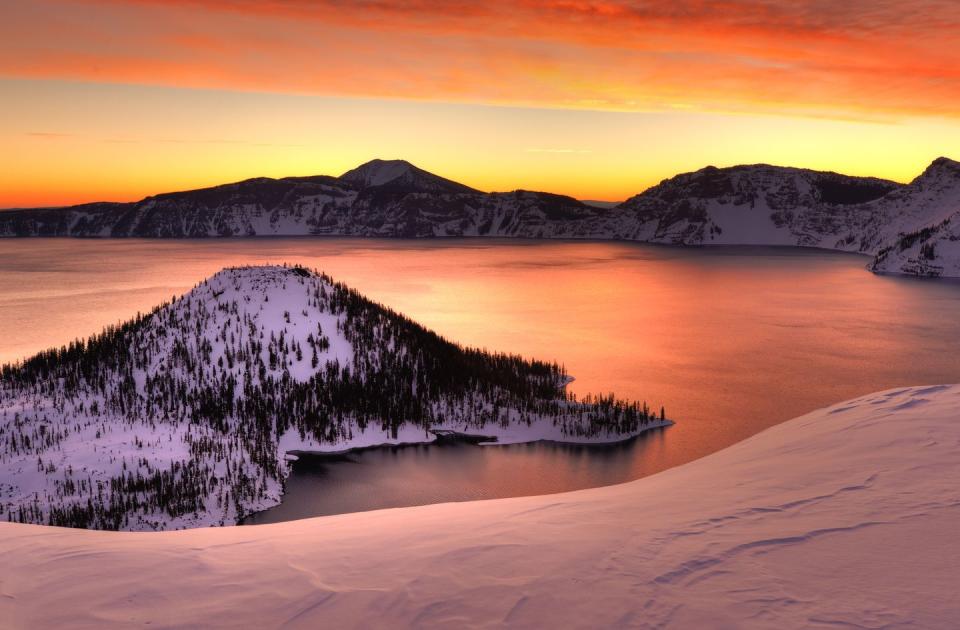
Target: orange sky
<point>121,98</point>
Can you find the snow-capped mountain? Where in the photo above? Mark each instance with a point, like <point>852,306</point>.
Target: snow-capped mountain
<point>910,229</point>
<point>757,205</point>
<point>401,175</point>
<point>926,217</point>
<point>740,205</point>
<point>380,198</point>
<point>184,417</point>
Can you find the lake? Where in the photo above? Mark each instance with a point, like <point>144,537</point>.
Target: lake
<point>730,340</point>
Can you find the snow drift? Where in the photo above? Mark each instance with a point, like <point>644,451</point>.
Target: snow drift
<point>845,517</point>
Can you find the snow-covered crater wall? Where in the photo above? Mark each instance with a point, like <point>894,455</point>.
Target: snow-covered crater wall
<point>902,225</point>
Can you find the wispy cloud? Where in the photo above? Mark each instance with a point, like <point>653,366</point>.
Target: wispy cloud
<point>814,56</point>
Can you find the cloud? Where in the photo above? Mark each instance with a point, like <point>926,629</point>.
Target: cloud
<point>520,16</point>
<point>819,57</point>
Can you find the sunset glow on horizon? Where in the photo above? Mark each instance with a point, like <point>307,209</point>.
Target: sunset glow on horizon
<point>119,99</point>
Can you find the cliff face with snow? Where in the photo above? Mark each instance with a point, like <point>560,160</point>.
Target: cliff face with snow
<point>923,233</point>
<point>932,251</point>
<point>758,205</point>
<point>900,225</point>
<point>183,417</point>
<point>908,227</point>
<point>843,518</point>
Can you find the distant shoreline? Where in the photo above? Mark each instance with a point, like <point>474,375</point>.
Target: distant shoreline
<point>461,437</point>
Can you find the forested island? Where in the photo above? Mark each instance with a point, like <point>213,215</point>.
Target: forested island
<point>183,417</point>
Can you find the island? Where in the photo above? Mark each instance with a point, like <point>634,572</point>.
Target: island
<point>189,416</point>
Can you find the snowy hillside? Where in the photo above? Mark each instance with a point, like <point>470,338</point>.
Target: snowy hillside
<point>925,202</point>
<point>385,198</point>
<point>740,205</point>
<point>846,517</point>
<point>909,229</point>
<point>931,251</point>
<point>400,174</point>
<point>184,417</point>
<point>757,205</point>
<point>928,229</point>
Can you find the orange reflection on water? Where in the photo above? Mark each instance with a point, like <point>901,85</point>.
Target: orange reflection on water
<point>730,340</point>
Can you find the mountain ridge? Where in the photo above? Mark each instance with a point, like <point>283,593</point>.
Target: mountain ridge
<point>755,204</point>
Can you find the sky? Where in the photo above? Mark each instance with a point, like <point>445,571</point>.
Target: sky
<point>119,99</point>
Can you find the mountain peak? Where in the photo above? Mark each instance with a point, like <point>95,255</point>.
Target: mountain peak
<point>378,172</point>
<point>942,170</point>
<point>402,175</point>
<point>945,160</point>
<point>944,164</point>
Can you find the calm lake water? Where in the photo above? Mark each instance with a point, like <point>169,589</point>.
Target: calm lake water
<point>730,340</point>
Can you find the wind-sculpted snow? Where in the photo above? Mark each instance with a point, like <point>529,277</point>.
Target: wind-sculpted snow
<point>843,518</point>
<point>183,417</point>
<point>740,205</point>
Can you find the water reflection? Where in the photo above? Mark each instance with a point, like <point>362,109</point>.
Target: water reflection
<point>419,475</point>
<point>730,340</point>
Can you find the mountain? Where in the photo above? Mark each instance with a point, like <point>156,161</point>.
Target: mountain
<point>926,217</point>
<point>185,417</point>
<point>757,205</point>
<point>910,229</point>
<point>843,518</point>
<point>596,203</point>
<point>380,198</point>
<point>402,176</point>
<point>741,205</point>
<point>933,251</point>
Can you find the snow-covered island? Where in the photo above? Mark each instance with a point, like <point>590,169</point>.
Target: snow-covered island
<point>185,417</point>
<point>843,518</point>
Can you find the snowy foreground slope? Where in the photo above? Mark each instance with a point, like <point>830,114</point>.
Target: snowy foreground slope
<point>901,225</point>
<point>185,417</point>
<point>844,518</point>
